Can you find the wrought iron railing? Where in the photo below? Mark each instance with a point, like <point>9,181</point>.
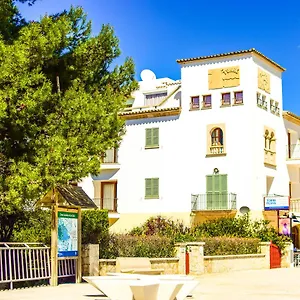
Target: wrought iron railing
<point>24,262</point>
<point>293,151</point>
<point>213,201</point>
<point>110,156</point>
<point>110,204</point>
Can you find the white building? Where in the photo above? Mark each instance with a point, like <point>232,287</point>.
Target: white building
<point>204,146</point>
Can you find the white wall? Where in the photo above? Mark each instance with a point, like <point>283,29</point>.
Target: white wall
<point>181,163</point>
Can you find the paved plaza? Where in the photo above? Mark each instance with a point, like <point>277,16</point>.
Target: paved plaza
<point>276,284</point>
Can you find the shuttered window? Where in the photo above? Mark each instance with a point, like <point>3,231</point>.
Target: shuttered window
<point>216,192</point>
<point>152,188</point>
<point>152,137</point>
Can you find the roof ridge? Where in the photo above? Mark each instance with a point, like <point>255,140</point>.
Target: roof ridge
<point>251,50</point>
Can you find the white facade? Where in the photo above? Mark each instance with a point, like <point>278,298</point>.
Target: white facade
<point>183,160</point>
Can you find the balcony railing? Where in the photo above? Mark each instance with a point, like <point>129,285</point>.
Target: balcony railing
<point>110,156</point>
<point>213,201</point>
<point>111,204</point>
<point>219,149</point>
<point>293,151</point>
<point>295,204</point>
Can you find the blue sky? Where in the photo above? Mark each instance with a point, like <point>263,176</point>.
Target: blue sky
<point>156,33</point>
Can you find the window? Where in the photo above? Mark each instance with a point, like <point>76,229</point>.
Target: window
<point>151,188</point>
<point>238,97</point>
<point>274,107</point>
<point>217,137</point>
<point>269,147</point>
<point>155,99</point>
<point>216,192</point>
<point>152,138</point>
<point>206,101</point>
<point>195,102</point>
<point>261,101</point>
<point>226,99</point>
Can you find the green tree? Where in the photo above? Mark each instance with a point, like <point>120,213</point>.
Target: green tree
<point>11,21</point>
<point>60,94</point>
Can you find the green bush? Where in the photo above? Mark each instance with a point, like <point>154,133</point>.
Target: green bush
<point>161,226</point>
<point>241,226</point>
<point>124,245</point>
<point>230,246</point>
<point>95,227</point>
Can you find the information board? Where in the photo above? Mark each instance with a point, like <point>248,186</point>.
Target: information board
<point>67,234</point>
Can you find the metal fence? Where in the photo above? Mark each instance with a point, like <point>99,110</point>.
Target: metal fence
<point>30,261</point>
<point>297,259</point>
<point>24,262</point>
<point>66,267</point>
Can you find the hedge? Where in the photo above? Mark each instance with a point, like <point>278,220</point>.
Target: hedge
<point>230,246</point>
<point>124,245</point>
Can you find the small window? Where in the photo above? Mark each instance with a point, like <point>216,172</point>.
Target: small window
<point>152,138</point>
<point>264,102</point>
<point>207,101</point>
<point>155,99</point>
<point>151,188</point>
<point>195,102</point>
<point>238,97</point>
<point>226,99</point>
<point>217,137</point>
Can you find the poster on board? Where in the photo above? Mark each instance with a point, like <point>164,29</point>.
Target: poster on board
<point>67,234</point>
<point>284,226</point>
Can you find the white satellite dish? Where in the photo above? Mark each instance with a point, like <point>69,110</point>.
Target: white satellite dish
<point>147,75</point>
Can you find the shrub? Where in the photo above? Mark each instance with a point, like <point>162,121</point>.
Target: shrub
<point>124,245</point>
<point>161,226</point>
<point>230,246</point>
<point>241,226</point>
<point>95,227</point>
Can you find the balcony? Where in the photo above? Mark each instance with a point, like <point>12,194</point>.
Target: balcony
<point>110,204</point>
<point>295,204</point>
<point>110,159</point>
<point>218,149</point>
<point>293,153</point>
<point>215,201</point>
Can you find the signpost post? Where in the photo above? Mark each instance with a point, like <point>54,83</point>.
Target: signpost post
<point>66,203</point>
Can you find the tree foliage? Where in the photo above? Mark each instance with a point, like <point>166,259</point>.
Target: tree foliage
<point>60,94</point>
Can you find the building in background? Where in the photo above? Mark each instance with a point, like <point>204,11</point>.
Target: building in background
<point>213,144</point>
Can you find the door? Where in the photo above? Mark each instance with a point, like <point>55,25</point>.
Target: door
<point>216,192</point>
<point>275,256</point>
<point>109,196</point>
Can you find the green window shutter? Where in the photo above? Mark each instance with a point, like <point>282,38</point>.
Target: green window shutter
<point>223,199</point>
<point>148,188</point>
<point>223,184</point>
<point>155,187</point>
<point>209,191</point>
<point>209,184</point>
<point>155,136</point>
<point>217,183</point>
<point>148,137</point>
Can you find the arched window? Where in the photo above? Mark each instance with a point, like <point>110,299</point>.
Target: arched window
<point>271,139</point>
<point>217,137</point>
<point>266,138</point>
